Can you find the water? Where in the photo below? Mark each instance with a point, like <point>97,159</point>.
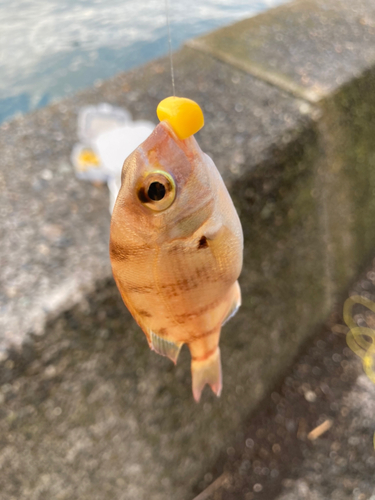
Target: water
<point>52,48</point>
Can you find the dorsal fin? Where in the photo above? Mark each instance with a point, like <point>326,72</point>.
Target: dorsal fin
<point>165,347</point>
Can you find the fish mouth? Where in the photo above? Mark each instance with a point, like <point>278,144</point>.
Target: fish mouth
<point>168,127</point>
<point>189,146</point>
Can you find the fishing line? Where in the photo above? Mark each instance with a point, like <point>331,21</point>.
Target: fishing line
<point>170,45</point>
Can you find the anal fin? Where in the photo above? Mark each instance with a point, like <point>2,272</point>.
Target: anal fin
<point>235,304</point>
<point>165,347</point>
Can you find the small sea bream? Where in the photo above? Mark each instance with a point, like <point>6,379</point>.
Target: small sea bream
<point>176,244</point>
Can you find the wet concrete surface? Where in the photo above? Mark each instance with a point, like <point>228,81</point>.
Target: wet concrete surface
<point>75,399</point>
<point>273,457</point>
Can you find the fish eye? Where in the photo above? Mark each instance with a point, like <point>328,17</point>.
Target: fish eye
<point>157,190</point>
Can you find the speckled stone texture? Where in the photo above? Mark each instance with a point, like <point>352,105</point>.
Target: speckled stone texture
<point>54,228</point>
<point>310,48</point>
<point>76,422</point>
<point>87,410</point>
<point>273,458</point>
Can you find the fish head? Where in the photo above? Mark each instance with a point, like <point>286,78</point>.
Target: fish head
<point>166,188</point>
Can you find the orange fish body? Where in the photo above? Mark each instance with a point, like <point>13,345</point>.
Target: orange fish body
<point>176,250</point>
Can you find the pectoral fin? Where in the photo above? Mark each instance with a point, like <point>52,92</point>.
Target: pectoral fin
<point>165,347</point>
<point>235,304</point>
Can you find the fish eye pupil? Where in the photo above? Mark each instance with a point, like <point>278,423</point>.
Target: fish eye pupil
<point>156,191</point>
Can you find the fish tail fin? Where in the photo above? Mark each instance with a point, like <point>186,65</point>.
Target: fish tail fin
<point>206,371</point>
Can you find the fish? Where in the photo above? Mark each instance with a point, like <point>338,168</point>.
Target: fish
<point>176,249</point>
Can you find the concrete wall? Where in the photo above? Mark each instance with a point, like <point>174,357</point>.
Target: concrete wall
<point>87,410</point>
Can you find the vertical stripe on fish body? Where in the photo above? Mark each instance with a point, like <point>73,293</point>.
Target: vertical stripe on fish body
<point>176,250</point>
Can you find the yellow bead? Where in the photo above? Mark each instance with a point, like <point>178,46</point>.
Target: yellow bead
<point>184,115</point>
